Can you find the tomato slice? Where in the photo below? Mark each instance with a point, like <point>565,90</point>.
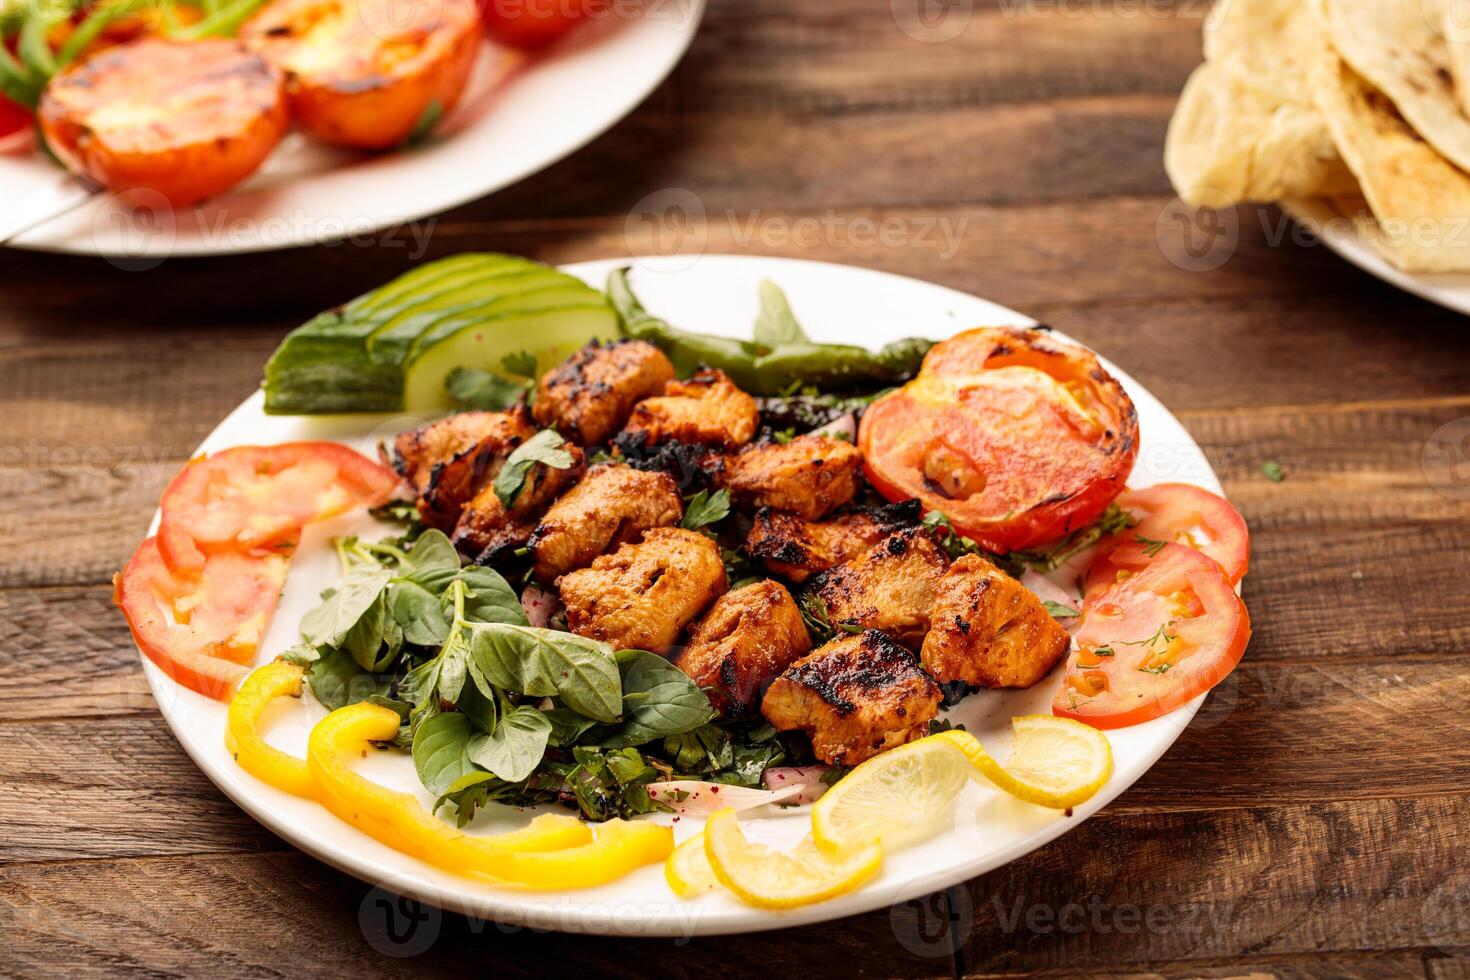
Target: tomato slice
<point>1169,629</point>
<point>253,497</point>
<point>530,24</point>
<point>1016,438</point>
<point>1182,514</point>
<point>202,630</point>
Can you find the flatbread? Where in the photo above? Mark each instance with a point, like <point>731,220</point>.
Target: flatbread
<point>1455,26</point>
<point>1420,201</point>
<point>1399,47</point>
<point>1246,128</point>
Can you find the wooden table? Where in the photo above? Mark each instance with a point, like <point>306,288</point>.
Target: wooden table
<point>1313,820</point>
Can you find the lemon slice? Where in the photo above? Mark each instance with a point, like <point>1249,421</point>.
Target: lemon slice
<point>688,871</point>
<point>1055,762</point>
<point>897,798</point>
<point>771,879</point>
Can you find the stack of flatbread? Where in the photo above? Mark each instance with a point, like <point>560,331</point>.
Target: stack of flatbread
<point>1365,102</point>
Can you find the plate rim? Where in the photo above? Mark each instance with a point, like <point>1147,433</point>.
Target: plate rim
<point>1318,216</point>
<point>674,55</point>
<point>512,907</point>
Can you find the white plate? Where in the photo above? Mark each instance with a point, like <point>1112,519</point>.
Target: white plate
<point>519,116</point>
<point>715,293</point>
<point>1339,233</point>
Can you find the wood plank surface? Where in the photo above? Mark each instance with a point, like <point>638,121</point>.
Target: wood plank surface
<point>1312,821</point>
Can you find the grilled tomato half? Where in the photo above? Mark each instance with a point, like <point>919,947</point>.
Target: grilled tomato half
<point>1015,437</point>
<point>185,119</point>
<point>368,73</point>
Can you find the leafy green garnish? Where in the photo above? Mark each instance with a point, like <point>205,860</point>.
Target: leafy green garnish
<point>473,388</point>
<point>515,748</point>
<point>544,447</point>
<point>776,325</point>
<point>659,700</point>
<point>543,662</point>
<point>704,509</point>
<point>520,363</point>
<point>1060,610</point>
<point>1151,546</point>
<point>1272,471</point>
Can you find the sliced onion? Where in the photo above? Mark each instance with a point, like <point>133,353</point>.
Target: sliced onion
<point>539,605</point>
<point>809,778</point>
<point>692,797</point>
<point>1048,590</point>
<point>842,427</point>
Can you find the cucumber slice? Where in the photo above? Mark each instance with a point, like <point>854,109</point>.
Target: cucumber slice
<point>425,275</point>
<point>391,341</point>
<point>551,335</point>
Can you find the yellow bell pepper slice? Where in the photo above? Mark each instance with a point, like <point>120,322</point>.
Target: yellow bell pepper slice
<point>554,852</point>
<point>242,730</point>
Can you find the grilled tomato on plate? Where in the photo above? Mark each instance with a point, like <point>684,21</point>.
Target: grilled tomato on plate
<point>368,73</point>
<point>1016,438</point>
<point>184,119</point>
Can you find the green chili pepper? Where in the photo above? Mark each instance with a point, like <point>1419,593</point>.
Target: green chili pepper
<point>762,370</point>
<point>688,351</point>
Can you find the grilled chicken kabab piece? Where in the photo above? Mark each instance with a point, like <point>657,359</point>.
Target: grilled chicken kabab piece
<point>856,697</point>
<point>707,409</point>
<point>588,397</point>
<point>990,630</point>
<point>890,587</point>
<point>488,531</point>
<point>613,505</point>
<point>810,476</point>
<point>447,461</point>
<point>798,549</point>
<point>642,595</point>
<point>748,637</point>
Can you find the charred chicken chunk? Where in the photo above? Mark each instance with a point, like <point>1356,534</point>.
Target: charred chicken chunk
<point>856,697</point>
<point>587,398</point>
<point>988,630</point>
<point>707,409</point>
<point>642,595</point>
<point>614,504</point>
<point>488,531</point>
<point>798,549</point>
<point>748,637</point>
<point>446,462</point>
<point>890,587</point>
<point>810,476</point>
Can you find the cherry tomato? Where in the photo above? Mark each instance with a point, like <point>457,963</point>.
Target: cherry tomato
<point>185,120</point>
<point>253,497</point>
<point>14,118</point>
<point>530,24</point>
<point>1018,439</point>
<point>201,630</point>
<point>1169,629</point>
<point>1186,515</point>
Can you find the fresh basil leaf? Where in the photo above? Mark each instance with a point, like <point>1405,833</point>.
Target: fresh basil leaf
<point>337,681</point>
<point>302,655</point>
<point>1060,610</point>
<point>479,707</point>
<point>489,598</point>
<point>441,750</point>
<point>545,447</point>
<point>471,791</point>
<point>364,639</point>
<point>419,685</point>
<point>516,747</point>
<point>659,700</point>
<point>453,662</point>
<point>418,613</point>
<point>328,624</point>
<point>704,509</point>
<point>433,551</point>
<point>776,325</point>
<point>473,388</point>
<point>543,662</point>
<point>567,726</point>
